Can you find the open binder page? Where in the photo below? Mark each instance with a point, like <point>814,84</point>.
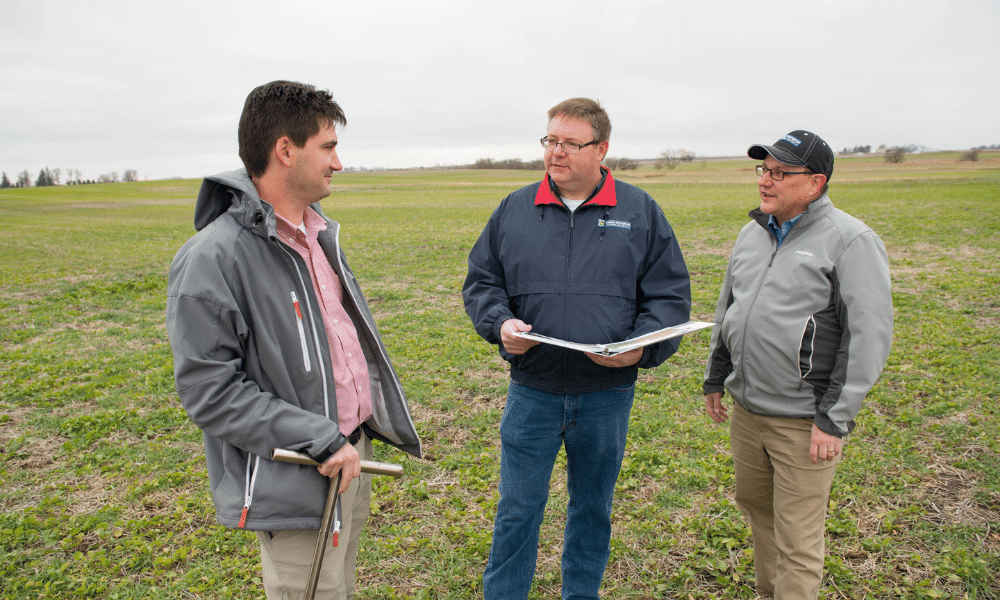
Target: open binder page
<point>623,346</point>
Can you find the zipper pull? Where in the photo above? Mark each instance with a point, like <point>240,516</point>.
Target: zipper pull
<point>336,517</point>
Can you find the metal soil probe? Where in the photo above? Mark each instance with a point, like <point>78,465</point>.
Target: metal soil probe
<point>301,458</point>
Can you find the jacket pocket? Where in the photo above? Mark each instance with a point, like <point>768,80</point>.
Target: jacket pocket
<point>381,421</point>
<point>806,349</point>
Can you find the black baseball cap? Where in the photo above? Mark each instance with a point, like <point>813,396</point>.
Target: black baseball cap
<point>800,148</point>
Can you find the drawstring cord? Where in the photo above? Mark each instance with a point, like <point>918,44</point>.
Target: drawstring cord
<point>251,482</point>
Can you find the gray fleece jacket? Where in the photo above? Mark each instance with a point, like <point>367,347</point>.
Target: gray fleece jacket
<point>803,330</point>
<point>253,372</point>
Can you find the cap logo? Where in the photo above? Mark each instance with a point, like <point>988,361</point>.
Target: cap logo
<point>791,139</point>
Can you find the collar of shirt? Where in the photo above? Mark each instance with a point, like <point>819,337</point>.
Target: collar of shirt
<point>311,225</point>
<point>603,194</point>
<point>781,231</point>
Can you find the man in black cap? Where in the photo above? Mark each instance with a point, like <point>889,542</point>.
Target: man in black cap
<point>802,331</point>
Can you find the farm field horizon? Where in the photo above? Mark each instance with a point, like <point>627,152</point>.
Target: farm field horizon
<point>103,490</point>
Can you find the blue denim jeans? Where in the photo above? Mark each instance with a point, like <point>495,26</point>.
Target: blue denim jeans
<point>535,424</point>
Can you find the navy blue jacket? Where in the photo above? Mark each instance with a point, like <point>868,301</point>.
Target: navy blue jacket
<point>610,271</point>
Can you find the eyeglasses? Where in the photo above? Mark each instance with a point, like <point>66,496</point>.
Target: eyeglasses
<point>778,174</point>
<point>567,147</point>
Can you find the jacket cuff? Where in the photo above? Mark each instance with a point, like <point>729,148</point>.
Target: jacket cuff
<point>497,326</point>
<point>711,388</point>
<point>826,425</point>
<point>502,318</point>
<point>339,442</point>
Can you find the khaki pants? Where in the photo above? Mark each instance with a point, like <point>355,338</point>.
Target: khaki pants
<point>286,556</point>
<point>784,498</point>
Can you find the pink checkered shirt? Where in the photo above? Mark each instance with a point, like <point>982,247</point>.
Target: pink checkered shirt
<point>350,370</point>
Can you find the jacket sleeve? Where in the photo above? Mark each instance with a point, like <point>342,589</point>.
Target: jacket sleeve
<point>485,290</point>
<point>663,291</point>
<point>209,337</point>
<point>864,301</point>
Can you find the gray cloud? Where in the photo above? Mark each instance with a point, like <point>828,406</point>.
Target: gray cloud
<point>108,85</point>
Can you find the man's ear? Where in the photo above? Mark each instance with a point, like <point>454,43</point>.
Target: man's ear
<point>283,149</point>
<point>817,183</point>
<point>603,149</point>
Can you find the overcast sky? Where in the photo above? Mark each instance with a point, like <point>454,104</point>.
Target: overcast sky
<point>107,85</point>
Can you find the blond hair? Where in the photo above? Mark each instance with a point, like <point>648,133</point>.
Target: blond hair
<point>588,110</point>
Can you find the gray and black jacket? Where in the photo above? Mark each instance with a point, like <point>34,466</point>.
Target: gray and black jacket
<point>253,372</point>
<point>803,330</point>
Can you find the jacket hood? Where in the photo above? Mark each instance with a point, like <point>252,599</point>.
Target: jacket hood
<point>234,192</point>
<point>221,192</point>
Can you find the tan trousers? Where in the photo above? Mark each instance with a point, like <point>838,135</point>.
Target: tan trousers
<point>286,556</point>
<point>784,498</point>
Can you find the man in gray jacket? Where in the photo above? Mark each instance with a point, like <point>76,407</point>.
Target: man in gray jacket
<point>802,331</point>
<point>275,346</point>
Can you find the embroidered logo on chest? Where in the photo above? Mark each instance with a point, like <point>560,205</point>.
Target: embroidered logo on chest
<point>614,224</point>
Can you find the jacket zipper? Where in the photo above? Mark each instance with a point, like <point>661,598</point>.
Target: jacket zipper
<point>302,332</point>
<point>753,303</point>
<point>566,279</point>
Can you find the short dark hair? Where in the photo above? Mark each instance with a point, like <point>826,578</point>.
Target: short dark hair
<point>282,108</point>
<point>590,111</point>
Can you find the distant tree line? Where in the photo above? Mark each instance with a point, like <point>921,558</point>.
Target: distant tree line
<point>621,164</point>
<point>510,163</point>
<point>896,154</point>
<point>971,155</point>
<point>47,177</point>
<point>671,158</point>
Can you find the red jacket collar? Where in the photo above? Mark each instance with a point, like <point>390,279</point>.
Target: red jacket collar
<point>603,196</point>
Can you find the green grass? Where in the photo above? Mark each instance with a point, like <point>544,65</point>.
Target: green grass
<point>102,482</point>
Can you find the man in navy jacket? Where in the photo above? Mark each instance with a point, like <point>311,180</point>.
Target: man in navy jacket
<point>584,258</point>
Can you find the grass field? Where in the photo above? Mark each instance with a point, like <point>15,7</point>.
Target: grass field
<point>103,491</point>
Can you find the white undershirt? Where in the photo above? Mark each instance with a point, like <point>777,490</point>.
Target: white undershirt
<point>572,205</point>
